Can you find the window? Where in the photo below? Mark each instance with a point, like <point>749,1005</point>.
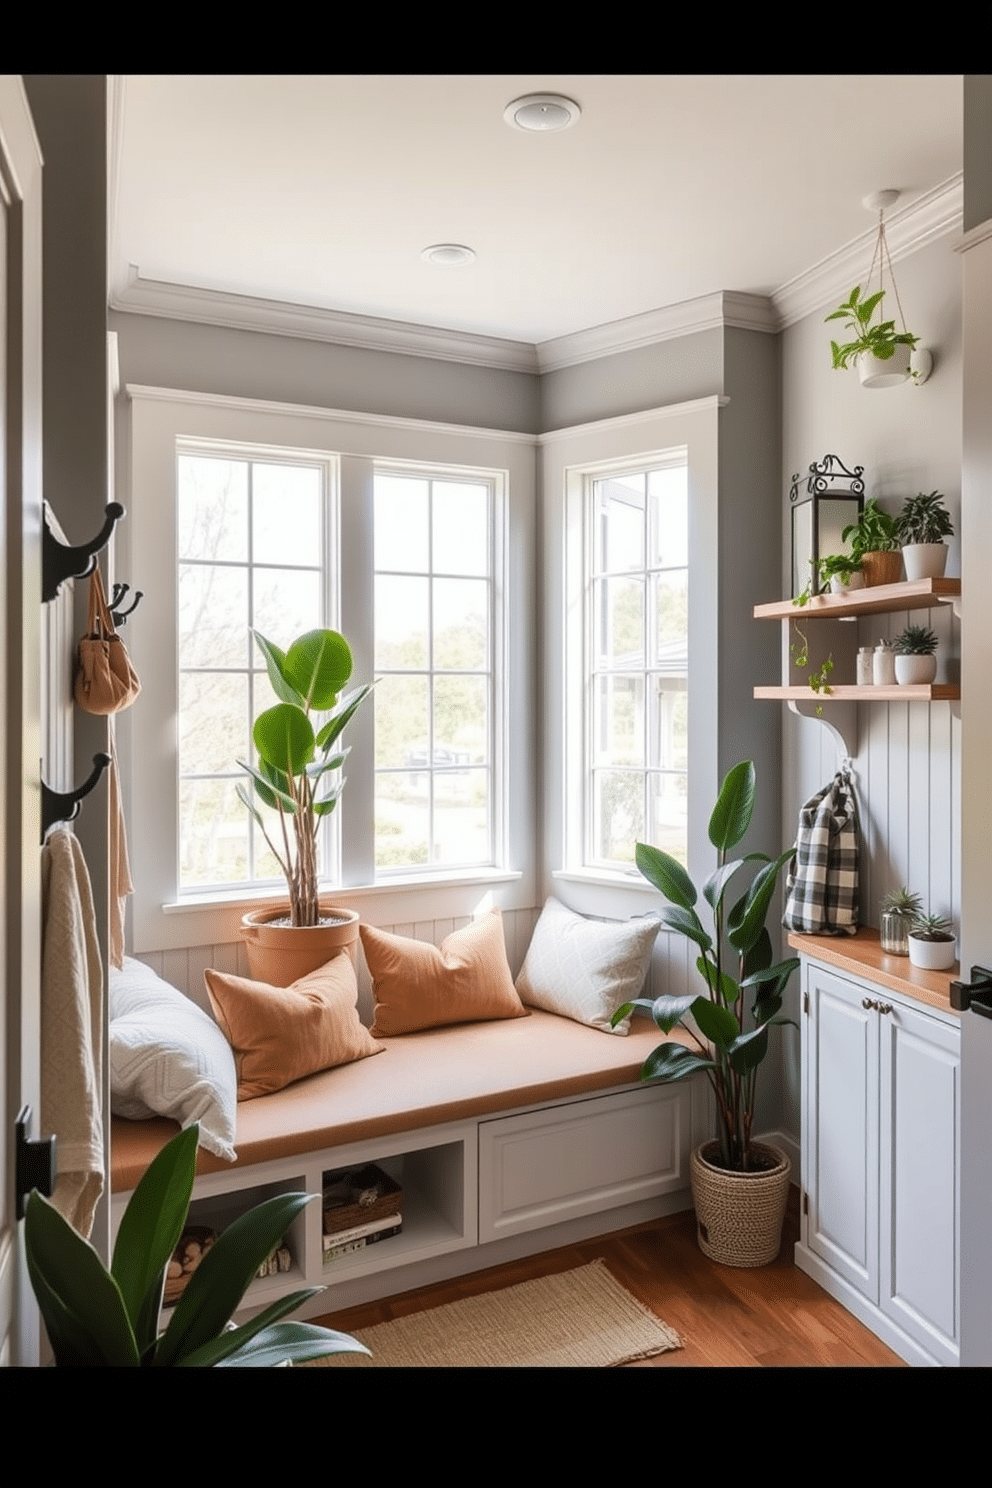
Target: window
<point>408,538</point>
<point>434,664</point>
<point>636,626</point>
<point>251,549</point>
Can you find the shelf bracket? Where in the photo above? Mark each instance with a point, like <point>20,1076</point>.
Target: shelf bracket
<point>841,719</point>
<point>954,600</point>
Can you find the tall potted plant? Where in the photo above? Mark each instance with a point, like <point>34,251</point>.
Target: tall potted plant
<point>739,1186</point>
<point>297,777</point>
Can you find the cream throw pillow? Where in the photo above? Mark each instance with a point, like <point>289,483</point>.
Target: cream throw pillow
<point>281,1034</point>
<point>585,969</point>
<point>466,979</point>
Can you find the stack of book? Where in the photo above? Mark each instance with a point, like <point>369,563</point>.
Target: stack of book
<point>360,1208</point>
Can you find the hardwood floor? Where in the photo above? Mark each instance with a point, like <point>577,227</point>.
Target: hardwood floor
<point>772,1316</point>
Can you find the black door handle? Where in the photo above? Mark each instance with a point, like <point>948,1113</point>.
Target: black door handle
<point>34,1161</point>
<point>976,994</point>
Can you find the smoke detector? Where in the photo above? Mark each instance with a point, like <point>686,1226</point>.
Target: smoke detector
<point>448,255</point>
<point>542,113</point>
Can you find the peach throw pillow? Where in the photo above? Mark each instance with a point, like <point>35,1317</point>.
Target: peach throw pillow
<point>466,979</point>
<point>281,1034</point>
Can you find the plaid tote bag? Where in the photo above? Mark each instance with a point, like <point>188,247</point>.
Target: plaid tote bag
<point>822,885</point>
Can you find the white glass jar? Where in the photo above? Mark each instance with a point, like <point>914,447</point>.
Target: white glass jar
<point>866,674</point>
<point>884,667</point>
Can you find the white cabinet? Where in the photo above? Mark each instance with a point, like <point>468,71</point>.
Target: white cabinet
<point>880,1159</point>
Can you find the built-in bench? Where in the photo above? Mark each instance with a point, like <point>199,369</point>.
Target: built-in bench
<point>506,1137</point>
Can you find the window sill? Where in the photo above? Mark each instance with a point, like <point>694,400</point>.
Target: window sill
<point>253,899</point>
<point>621,879</point>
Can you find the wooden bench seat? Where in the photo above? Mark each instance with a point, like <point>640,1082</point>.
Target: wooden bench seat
<point>422,1080</point>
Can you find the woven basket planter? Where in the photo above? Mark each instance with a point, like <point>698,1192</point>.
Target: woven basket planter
<point>739,1215</point>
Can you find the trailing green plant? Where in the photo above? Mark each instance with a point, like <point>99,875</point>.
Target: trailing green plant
<point>873,532</point>
<point>879,340</point>
<point>296,771</point>
<point>97,1317</point>
<point>931,927</point>
<point>818,680</point>
<point>735,963</point>
<point>915,640</point>
<point>924,519</point>
<point>902,902</point>
<point>834,565</point>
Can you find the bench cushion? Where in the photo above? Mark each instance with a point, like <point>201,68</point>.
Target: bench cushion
<point>424,1079</point>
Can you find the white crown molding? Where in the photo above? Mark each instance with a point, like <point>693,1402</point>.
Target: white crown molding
<point>715,401</point>
<point>138,392</point>
<point>142,296</point>
<point>707,313</point>
<point>974,236</point>
<point>936,214</point>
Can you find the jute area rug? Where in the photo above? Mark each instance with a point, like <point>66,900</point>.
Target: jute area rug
<point>579,1318</point>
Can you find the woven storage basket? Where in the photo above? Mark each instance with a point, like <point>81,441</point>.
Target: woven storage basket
<point>363,1209</point>
<point>739,1215</point>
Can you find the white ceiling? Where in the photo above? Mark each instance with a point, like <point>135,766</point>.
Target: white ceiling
<point>319,192</point>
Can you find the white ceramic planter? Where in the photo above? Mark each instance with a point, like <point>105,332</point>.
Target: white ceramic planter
<point>925,560</point>
<point>932,955</point>
<point>911,670</point>
<point>875,373</point>
<point>837,585</point>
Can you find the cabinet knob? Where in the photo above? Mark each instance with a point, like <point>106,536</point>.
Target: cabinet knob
<point>867,1003</point>
<point>884,1007</point>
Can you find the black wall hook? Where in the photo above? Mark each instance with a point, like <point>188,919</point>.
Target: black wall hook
<point>59,562</point>
<point>118,615</point>
<point>63,806</point>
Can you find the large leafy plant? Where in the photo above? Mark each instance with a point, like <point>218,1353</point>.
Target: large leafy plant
<point>924,519</point>
<point>879,340</point>
<point>735,962</point>
<point>874,531</point>
<point>296,771</point>
<point>112,1318</point>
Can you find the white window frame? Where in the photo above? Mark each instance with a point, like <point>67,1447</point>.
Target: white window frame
<point>569,457</point>
<point>151,423</point>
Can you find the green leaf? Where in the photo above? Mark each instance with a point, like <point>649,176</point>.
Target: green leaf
<point>268,794</point>
<point>744,934</point>
<point>667,1010</point>
<point>215,1289</point>
<point>343,714</point>
<point>149,1232</point>
<point>294,1341</point>
<point>749,1050</point>
<point>732,813</point>
<point>667,875</point>
<point>275,661</point>
<point>232,1339</point>
<point>685,922</point>
<point>726,984</point>
<point>318,665</point>
<point>715,1023</point>
<point>628,1007</point>
<point>673,1062</point>
<point>713,888</point>
<point>75,1292</point>
<point>284,738</point>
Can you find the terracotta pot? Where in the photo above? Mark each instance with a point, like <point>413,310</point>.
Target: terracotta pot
<point>280,954</point>
<point>925,560</point>
<point>739,1215</point>
<point>881,568</point>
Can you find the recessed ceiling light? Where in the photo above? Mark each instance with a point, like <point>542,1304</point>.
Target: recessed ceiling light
<point>541,113</point>
<point>448,255</point>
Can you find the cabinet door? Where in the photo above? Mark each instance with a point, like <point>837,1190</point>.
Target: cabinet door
<point>841,1130</point>
<point>919,1134</point>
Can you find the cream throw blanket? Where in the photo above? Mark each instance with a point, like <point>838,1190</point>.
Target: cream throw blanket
<point>71,1029</point>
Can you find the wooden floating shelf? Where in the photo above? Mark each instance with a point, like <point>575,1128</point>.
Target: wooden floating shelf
<point>883,599</point>
<point>927,692</point>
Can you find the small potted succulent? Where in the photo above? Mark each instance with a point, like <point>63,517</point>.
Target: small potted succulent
<point>915,658</point>
<point>921,527</point>
<point>931,943</point>
<point>875,545</point>
<point>898,910</point>
<point>880,352</point>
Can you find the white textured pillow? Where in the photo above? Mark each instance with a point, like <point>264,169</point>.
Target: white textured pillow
<point>168,1058</point>
<point>585,969</point>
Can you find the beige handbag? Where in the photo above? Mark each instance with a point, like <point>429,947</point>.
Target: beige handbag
<point>106,681</point>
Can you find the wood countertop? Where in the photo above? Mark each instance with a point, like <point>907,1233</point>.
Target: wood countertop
<point>861,955</point>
